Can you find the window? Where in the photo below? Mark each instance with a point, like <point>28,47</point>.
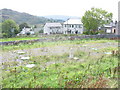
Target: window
<point>72,26</point>
<point>108,30</point>
<point>76,26</point>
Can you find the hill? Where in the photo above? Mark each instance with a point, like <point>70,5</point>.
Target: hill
<point>61,17</point>
<point>19,17</point>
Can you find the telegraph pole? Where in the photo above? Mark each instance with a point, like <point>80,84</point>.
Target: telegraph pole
<point>118,27</point>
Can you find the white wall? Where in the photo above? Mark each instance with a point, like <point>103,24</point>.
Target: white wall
<point>46,30</point>
<point>64,29</point>
<point>73,28</point>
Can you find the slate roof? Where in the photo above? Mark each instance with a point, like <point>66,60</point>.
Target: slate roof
<point>53,25</point>
<point>110,25</point>
<point>73,21</point>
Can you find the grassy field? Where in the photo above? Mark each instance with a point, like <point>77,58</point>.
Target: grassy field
<point>46,44</point>
<point>17,39</point>
<point>89,67</point>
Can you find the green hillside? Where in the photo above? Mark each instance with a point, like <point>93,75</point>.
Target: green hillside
<point>19,17</point>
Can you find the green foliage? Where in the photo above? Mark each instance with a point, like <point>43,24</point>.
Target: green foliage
<point>18,38</point>
<point>90,32</point>
<point>21,26</point>
<point>101,32</point>
<point>46,44</point>
<point>41,31</point>
<point>9,28</point>
<point>60,75</point>
<point>95,18</point>
<point>35,26</point>
<point>0,29</point>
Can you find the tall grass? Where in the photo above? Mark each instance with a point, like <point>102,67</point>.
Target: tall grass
<point>60,71</point>
<point>69,74</point>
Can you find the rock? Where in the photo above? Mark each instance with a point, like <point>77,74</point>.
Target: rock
<point>30,65</point>
<point>108,52</point>
<point>109,43</point>
<point>25,58</point>
<point>20,52</point>
<point>94,48</point>
<point>75,58</point>
<point>84,45</point>
<point>71,53</point>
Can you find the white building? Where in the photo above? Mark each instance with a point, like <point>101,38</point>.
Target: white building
<point>118,24</point>
<point>73,26</point>
<point>110,28</point>
<point>52,28</point>
<point>26,30</point>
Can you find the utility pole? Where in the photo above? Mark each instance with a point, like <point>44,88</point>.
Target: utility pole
<point>118,24</point>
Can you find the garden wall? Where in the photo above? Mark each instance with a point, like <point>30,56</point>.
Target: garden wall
<point>56,39</point>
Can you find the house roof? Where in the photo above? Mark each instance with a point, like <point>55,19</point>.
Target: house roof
<point>53,25</point>
<point>107,26</point>
<point>110,25</point>
<point>73,21</point>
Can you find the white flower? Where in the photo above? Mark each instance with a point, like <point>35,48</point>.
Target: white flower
<point>75,58</point>
<point>94,48</point>
<point>25,58</point>
<point>30,65</point>
<point>21,52</point>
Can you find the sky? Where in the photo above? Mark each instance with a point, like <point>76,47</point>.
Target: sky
<point>60,7</point>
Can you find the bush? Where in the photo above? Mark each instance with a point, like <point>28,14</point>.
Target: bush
<point>86,33</point>
<point>90,32</point>
<point>41,31</point>
<point>9,28</point>
<point>101,31</point>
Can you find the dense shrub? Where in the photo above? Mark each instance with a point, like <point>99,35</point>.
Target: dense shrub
<point>9,28</point>
<point>90,32</point>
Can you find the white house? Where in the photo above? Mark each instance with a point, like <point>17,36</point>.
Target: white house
<point>73,26</point>
<point>52,28</point>
<point>118,24</point>
<point>26,30</point>
<point>110,28</point>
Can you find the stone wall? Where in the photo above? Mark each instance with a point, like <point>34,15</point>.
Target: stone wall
<point>56,39</point>
<point>97,36</point>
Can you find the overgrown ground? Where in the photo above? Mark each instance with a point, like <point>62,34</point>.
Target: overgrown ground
<point>32,37</point>
<point>18,38</point>
<point>61,64</point>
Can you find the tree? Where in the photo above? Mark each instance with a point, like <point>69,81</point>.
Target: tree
<point>9,28</point>
<point>94,18</point>
<point>35,26</point>
<point>21,26</point>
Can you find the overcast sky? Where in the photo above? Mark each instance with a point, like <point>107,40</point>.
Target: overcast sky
<point>60,7</point>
